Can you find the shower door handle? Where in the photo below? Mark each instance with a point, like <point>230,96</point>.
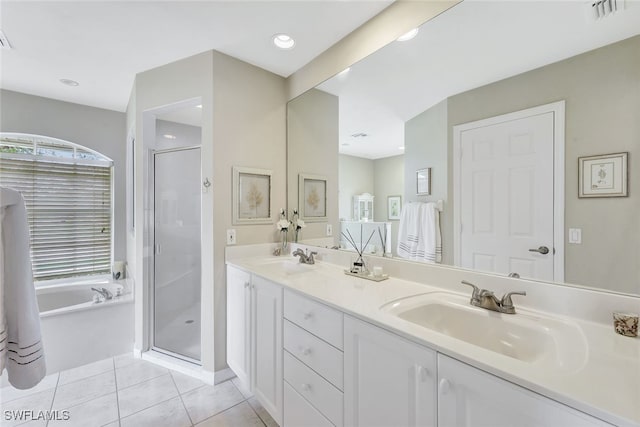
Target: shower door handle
<point>158,249</point>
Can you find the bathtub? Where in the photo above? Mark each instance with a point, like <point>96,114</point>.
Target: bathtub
<point>76,330</point>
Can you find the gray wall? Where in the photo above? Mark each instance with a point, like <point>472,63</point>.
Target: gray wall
<point>355,176</point>
<point>388,181</point>
<point>312,148</point>
<point>426,147</point>
<point>95,128</point>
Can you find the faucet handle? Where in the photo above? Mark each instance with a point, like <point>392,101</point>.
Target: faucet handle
<point>476,291</point>
<point>506,299</point>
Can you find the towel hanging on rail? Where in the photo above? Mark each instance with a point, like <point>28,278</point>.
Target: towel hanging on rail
<point>21,350</point>
<point>419,236</point>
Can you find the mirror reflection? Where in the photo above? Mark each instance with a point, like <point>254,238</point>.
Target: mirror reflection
<point>529,141</point>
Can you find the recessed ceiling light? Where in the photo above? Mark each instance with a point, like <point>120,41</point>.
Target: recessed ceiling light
<point>169,136</point>
<point>69,82</point>
<point>408,36</point>
<point>283,41</point>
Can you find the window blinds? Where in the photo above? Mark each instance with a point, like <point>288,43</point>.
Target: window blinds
<point>69,208</point>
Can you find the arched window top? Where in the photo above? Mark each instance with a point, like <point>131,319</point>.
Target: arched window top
<point>46,147</point>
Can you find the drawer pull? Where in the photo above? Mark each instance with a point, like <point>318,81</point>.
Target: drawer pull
<point>306,387</point>
<point>308,316</point>
<point>423,373</point>
<point>306,351</point>
<point>246,284</point>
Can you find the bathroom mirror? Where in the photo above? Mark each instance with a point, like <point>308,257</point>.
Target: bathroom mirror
<point>410,106</point>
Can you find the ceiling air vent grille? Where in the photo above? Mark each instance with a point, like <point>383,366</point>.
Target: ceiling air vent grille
<point>4,42</point>
<point>602,8</point>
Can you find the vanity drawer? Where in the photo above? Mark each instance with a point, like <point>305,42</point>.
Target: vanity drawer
<point>299,413</point>
<point>320,320</point>
<point>323,358</point>
<point>318,391</point>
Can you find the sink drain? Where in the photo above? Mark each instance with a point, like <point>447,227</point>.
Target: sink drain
<point>189,321</point>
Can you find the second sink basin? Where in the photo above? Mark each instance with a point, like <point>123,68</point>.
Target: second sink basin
<point>529,338</point>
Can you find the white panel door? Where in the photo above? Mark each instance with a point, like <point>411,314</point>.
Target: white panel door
<point>470,397</point>
<point>507,196</point>
<point>266,348</point>
<point>388,381</point>
<point>238,323</point>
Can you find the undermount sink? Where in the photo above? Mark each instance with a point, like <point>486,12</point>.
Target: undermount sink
<point>530,338</point>
<point>289,266</point>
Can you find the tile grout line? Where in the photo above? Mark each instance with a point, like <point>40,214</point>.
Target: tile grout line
<point>182,400</point>
<point>115,379</point>
<point>53,399</point>
<point>246,399</point>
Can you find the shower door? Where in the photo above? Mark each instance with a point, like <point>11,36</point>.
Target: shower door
<point>176,293</point>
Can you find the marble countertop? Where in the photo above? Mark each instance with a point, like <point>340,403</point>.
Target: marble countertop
<point>604,382</point>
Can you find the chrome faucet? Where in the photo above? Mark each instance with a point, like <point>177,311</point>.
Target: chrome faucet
<point>106,293</point>
<point>306,257</point>
<point>486,299</point>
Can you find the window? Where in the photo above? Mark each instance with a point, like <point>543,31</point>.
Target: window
<point>68,193</point>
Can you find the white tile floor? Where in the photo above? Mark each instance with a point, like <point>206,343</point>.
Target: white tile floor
<point>123,391</point>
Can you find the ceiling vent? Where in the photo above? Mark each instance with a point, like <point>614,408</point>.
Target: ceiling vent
<point>596,10</point>
<point>4,41</point>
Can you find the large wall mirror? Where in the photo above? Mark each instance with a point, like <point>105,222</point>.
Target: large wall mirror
<point>494,120</point>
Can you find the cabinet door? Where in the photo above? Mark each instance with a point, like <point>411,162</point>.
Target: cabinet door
<point>267,345</point>
<point>388,381</point>
<point>470,397</point>
<point>238,323</point>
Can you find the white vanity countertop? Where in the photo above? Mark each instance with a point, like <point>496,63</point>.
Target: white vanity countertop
<point>604,383</point>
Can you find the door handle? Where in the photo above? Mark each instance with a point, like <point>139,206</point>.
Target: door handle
<point>542,250</point>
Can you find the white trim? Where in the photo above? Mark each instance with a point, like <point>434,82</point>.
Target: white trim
<point>222,375</point>
<point>558,110</point>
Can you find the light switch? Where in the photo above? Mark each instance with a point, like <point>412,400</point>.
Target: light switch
<point>575,236</point>
<point>329,230</point>
<point>231,236</point>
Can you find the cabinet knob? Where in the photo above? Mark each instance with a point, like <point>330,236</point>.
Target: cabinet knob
<point>423,373</point>
<point>246,284</point>
<point>444,386</point>
<point>306,351</point>
<point>306,387</point>
<point>308,316</point>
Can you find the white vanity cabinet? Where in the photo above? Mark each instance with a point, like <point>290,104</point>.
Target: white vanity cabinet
<point>470,397</point>
<point>388,380</point>
<point>313,363</point>
<point>254,336</point>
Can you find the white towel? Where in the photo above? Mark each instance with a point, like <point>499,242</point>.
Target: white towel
<point>419,237</point>
<point>21,351</point>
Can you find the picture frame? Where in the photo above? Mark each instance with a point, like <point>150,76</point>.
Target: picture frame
<point>312,197</point>
<point>603,175</point>
<point>394,207</point>
<point>251,196</point>
<point>423,182</point>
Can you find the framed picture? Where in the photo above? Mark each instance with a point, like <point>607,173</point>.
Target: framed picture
<point>312,197</point>
<point>423,182</point>
<point>251,196</point>
<point>394,207</point>
<point>603,176</point>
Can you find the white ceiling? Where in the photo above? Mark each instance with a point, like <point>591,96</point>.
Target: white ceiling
<point>470,45</point>
<point>103,44</point>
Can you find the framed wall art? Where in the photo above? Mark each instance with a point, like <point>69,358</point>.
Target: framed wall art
<point>251,196</point>
<point>312,197</point>
<point>423,182</point>
<point>603,175</point>
<point>394,207</point>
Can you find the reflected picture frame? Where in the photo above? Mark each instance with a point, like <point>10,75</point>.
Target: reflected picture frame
<point>603,175</point>
<point>251,196</point>
<point>312,197</point>
<point>394,207</point>
<point>423,182</point>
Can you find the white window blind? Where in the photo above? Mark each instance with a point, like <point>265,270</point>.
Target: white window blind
<point>67,190</point>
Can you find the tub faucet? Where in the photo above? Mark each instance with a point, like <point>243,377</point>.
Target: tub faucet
<point>104,292</point>
<point>305,257</point>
